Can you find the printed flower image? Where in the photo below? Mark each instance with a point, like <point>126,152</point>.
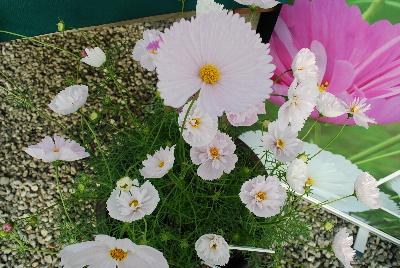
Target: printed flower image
<point>210,134</point>
<point>351,55</point>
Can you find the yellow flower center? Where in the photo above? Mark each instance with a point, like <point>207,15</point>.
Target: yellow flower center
<point>118,254</point>
<point>280,144</point>
<point>161,164</point>
<point>310,181</point>
<point>301,68</point>
<point>213,245</point>
<point>354,109</point>
<point>153,51</point>
<point>195,122</point>
<point>56,150</point>
<point>125,186</point>
<point>210,74</point>
<point>261,196</point>
<point>214,153</point>
<point>134,203</point>
<point>323,87</point>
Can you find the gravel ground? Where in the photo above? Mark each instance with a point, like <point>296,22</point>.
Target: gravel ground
<point>28,185</point>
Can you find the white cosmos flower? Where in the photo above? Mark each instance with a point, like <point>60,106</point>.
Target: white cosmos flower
<point>146,49</point>
<point>263,196</point>
<point>358,107</point>
<point>107,252</point>
<point>300,104</point>
<point>246,118</point>
<point>330,106</point>
<point>231,71</point>
<point>282,141</point>
<point>297,175</point>
<point>259,3</point>
<point>207,6</point>
<point>57,148</point>
<point>70,99</point>
<point>200,128</point>
<point>158,164</point>
<point>212,249</point>
<point>216,158</point>
<point>125,184</point>
<point>94,57</point>
<point>367,191</point>
<point>132,205</point>
<point>304,66</point>
<point>342,247</point>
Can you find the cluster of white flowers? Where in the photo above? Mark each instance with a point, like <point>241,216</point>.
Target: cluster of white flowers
<point>205,82</point>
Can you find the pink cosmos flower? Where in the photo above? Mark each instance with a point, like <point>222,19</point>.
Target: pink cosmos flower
<point>216,158</point>
<point>263,196</point>
<point>146,49</point>
<point>217,55</point>
<point>246,118</point>
<point>57,148</point>
<point>355,59</point>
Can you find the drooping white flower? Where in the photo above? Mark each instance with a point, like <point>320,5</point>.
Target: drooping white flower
<point>207,6</point>
<point>300,104</point>
<point>263,196</point>
<point>304,66</point>
<point>357,108</point>
<point>125,184</point>
<point>367,191</point>
<point>282,141</point>
<point>200,128</point>
<point>107,252</point>
<point>246,118</point>
<point>70,99</point>
<point>216,158</point>
<point>158,164</point>
<point>212,249</point>
<point>330,106</point>
<point>192,60</point>
<point>297,175</point>
<point>57,148</point>
<point>342,247</point>
<point>132,205</point>
<point>94,57</point>
<point>146,49</point>
<point>259,3</point>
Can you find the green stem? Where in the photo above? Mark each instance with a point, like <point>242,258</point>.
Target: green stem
<point>328,202</point>
<point>377,157</point>
<point>145,230</point>
<point>376,148</point>
<point>99,147</point>
<point>60,193</point>
<point>372,9</point>
<point>329,143</point>
<point>309,130</point>
<point>42,43</point>
<point>121,88</point>
<point>181,141</point>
